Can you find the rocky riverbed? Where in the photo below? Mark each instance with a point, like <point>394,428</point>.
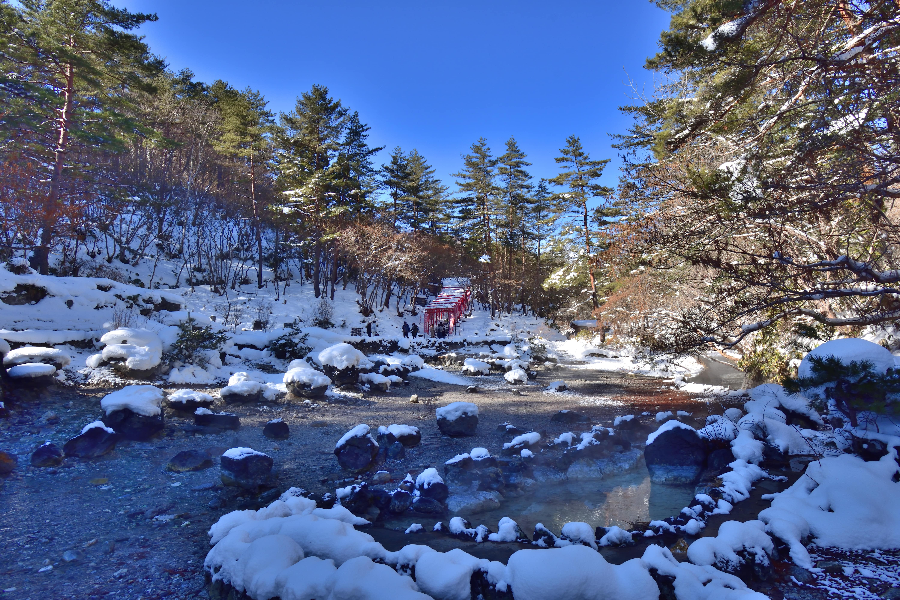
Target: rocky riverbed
<point>125,526</point>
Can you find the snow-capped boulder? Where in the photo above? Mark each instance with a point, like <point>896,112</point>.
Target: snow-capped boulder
<point>47,455</point>
<point>375,381</point>
<point>305,382</point>
<point>356,450</point>
<point>408,435</point>
<point>134,353</point>
<point>277,429</point>
<point>430,485</point>
<point>473,471</point>
<point>521,442</point>
<point>134,411</point>
<point>35,375</point>
<point>569,417</point>
<point>242,388</point>
<point>516,376</point>
<point>187,401</point>
<point>36,354</point>
<point>557,386</point>
<point>476,367</point>
<point>203,417</point>
<point>342,363</point>
<point>457,419</point>
<point>96,439</point>
<point>246,468</point>
<point>675,454</point>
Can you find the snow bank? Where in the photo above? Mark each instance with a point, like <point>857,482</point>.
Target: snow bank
<point>454,410</point>
<point>697,582</point>
<point>441,376</point>
<point>182,396</point>
<point>849,350</point>
<point>733,537</point>
<point>141,399</point>
<point>531,438</point>
<point>841,501</point>
<point>577,573</point>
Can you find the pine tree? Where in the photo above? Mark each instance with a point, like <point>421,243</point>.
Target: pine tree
<point>357,182</point>
<point>395,177</point>
<point>246,130</point>
<point>68,66</point>
<point>477,204</point>
<point>425,196</point>
<point>309,144</point>
<point>580,175</point>
<point>516,225</point>
<point>770,162</point>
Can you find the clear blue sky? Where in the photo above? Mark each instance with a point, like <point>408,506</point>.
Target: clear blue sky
<point>430,75</point>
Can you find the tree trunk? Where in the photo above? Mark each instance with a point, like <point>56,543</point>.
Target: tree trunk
<point>317,268</point>
<point>256,224</point>
<point>50,212</point>
<point>587,248</point>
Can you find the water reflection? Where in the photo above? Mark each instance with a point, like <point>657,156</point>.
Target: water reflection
<point>615,500</point>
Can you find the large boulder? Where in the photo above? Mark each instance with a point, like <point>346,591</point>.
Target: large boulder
<point>204,417</point>
<point>8,462</point>
<point>408,435</point>
<point>187,401</point>
<point>134,412</point>
<point>430,485</point>
<point>305,382</point>
<point>356,450</point>
<point>189,460</point>
<point>246,468</point>
<point>47,455</point>
<point>342,363</point>
<point>675,454</point>
<point>277,429</point>
<point>241,388</point>
<point>458,419</point>
<point>96,439</point>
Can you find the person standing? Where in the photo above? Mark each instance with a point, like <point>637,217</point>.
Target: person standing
<point>369,329</point>
<point>414,329</point>
<point>405,329</point>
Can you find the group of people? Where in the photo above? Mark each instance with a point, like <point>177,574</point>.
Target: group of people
<point>414,330</point>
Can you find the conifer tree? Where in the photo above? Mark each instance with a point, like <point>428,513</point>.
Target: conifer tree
<point>477,204</point>
<point>67,67</point>
<point>308,147</point>
<point>246,129</point>
<point>580,175</point>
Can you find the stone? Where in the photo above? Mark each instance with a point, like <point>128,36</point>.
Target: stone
<point>832,567</point>
<point>543,537</point>
<point>305,390</point>
<point>94,442</point>
<point>348,376</point>
<point>400,502</point>
<point>461,426</point>
<point>410,439</point>
<point>381,477</point>
<point>358,500</point>
<point>868,449</point>
<point>248,470</point>
<point>800,574</point>
<point>47,455</point>
<point>217,420</point>
<point>569,417</point>
<point>584,468</point>
<point>133,426</point>
<point>231,396</point>
<point>71,556</point>
<point>395,451</point>
<point>676,456</point>
<point>428,506</point>
<point>189,460</point>
<point>357,453</point>
<point>472,389</point>
<point>8,462</point>
<point>437,491</point>
<point>277,430</point>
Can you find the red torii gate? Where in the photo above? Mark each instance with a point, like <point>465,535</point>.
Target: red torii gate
<point>443,313</point>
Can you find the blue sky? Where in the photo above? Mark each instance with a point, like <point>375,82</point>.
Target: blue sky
<point>436,75</point>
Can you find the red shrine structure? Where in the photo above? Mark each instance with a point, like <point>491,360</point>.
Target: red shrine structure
<point>443,313</point>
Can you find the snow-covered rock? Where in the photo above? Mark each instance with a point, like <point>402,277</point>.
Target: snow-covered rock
<point>134,411</point>
<point>246,468</point>
<point>189,400</point>
<point>304,381</point>
<point>675,454</point>
<point>849,350</point>
<point>134,352</point>
<point>476,367</point>
<point>36,354</point>
<point>357,449</point>
<point>457,419</point>
<point>516,376</point>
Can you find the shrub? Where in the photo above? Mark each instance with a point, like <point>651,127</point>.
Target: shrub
<point>290,345</point>
<point>322,314</point>
<point>853,386</point>
<point>193,340</point>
